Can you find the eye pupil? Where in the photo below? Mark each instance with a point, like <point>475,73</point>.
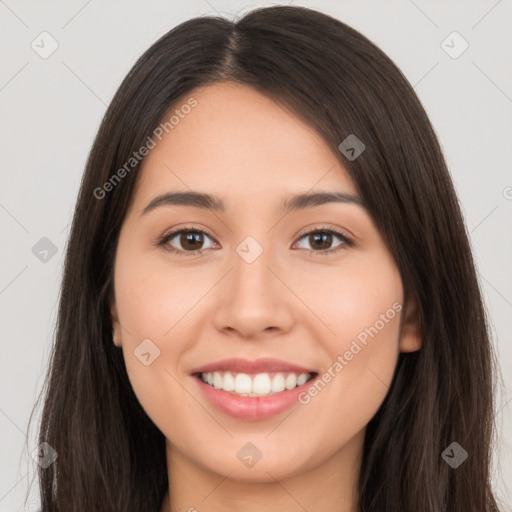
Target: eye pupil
<point>325,237</point>
<point>191,236</point>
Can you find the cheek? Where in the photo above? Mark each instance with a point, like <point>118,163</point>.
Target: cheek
<point>152,308</point>
<point>153,300</point>
<point>351,389</point>
<point>352,300</point>
<point>362,308</point>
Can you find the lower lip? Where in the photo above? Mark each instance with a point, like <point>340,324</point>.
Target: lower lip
<point>252,408</point>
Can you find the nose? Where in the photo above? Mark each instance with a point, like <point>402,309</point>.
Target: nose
<point>253,300</point>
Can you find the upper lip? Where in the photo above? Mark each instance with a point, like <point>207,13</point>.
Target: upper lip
<point>263,365</point>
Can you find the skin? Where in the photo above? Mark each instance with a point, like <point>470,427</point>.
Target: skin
<point>289,304</point>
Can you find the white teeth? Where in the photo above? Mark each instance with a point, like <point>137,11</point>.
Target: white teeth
<point>243,383</point>
<point>278,383</point>
<point>302,379</point>
<point>291,381</point>
<point>228,382</point>
<point>217,380</point>
<point>260,384</point>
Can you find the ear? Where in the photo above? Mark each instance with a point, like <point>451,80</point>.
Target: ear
<point>116,326</point>
<point>410,338</point>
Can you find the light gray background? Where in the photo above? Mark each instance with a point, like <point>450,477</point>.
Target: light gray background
<point>51,109</point>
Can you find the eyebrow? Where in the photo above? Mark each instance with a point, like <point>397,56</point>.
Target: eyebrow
<point>208,202</point>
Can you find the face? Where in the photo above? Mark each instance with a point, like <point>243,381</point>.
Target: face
<point>313,288</point>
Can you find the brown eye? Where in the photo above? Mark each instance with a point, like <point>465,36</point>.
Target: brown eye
<point>191,240</point>
<point>186,241</point>
<point>320,241</point>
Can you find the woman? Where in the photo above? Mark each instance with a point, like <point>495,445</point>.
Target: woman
<point>269,300</point>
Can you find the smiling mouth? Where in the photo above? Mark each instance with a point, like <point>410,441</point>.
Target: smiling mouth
<point>254,385</point>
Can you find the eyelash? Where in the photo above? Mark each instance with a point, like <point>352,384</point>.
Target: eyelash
<point>346,242</point>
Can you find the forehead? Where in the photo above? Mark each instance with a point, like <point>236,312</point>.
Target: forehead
<point>236,141</point>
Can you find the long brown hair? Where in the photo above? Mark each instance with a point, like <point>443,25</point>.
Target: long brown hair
<point>111,457</point>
